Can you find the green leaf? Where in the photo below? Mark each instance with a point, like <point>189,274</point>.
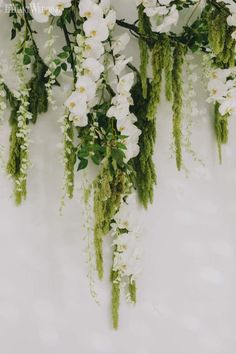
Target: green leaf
<point>63,55</point>
<point>64,66</point>
<point>57,61</point>
<point>26,60</point>
<point>83,152</point>
<point>118,155</point>
<point>13,33</point>
<point>82,165</point>
<point>96,159</point>
<point>66,48</point>
<point>57,71</point>
<point>29,51</point>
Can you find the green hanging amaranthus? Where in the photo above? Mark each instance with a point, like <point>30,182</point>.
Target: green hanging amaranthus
<point>109,187</point>
<point>221,130</point>
<point>157,67</point>
<point>145,175</point>
<point>223,46</point>
<point>168,67</point>
<point>144,29</point>
<point>177,87</point>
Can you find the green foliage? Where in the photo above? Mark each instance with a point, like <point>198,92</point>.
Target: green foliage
<point>70,158</point>
<point>38,92</point>
<point>178,60</point>
<point>144,29</point>
<point>157,66</point>
<point>144,167</point>
<point>109,188</point>
<point>16,156</point>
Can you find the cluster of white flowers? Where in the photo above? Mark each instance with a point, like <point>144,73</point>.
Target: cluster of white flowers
<point>162,13</point>
<point>42,9</point>
<point>99,20</point>
<point>231,20</point>
<point>222,89</point>
<point>127,255</point>
<point>49,45</point>
<point>121,102</point>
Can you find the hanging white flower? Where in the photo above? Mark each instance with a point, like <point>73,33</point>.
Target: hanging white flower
<point>125,84</point>
<point>90,10</point>
<point>120,43</point>
<point>105,5</point>
<point>120,64</point>
<point>40,11</point>
<point>111,19</point>
<point>168,21</point>
<point>79,120</point>
<point>217,89</point>
<point>92,68</point>
<point>76,104</point>
<point>93,48</point>
<point>96,29</point>
<point>86,87</point>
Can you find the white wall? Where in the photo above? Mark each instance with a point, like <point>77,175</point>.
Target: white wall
<point>186,292</point>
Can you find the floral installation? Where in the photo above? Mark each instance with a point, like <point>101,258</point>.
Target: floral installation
<point>111,107</point>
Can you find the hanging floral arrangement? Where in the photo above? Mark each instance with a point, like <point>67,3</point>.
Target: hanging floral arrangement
<point>110,112</point>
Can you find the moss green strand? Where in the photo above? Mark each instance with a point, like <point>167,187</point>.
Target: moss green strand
<point>177,84</point>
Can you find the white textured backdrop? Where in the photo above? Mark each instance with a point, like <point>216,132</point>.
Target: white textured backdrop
<point>187,289</point>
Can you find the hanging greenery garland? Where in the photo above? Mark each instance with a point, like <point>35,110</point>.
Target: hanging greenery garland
<point>111,107</point>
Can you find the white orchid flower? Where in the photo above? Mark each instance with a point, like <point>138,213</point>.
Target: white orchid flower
<point>228,106</point>
<point>120,64</point>
<point>79,120</point>
<point>169,20</point>
<point>86,87</point>
<point>93,48</point>
<point>40,11</point>
<point>217,89</point>
<point>125,84</point>
<point>96,29</point>
<point>90,10</point>
<point>57,7</point>
<point>120,43</point>
<point>92,68</point>
<point>105,5</point>
<point>76,104</point>
<point>111,19</point>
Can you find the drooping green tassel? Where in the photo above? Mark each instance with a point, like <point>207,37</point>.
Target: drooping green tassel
<point>115,299</point>
<point>226,58</point>
<point>178,56</point>
<point>109,188</point>
<point>157,66</point>
<point>144,29</point>
<point>145,176</point>
<point>217,30</point>
<point>221,129</point>
<point>168,67</point>
<point>38,92</point>
<point>132,291</point>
